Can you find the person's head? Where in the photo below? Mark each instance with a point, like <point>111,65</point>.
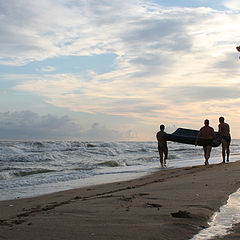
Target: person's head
<point>221,119</point>
<point>206,122</point>
<point>162,127</point>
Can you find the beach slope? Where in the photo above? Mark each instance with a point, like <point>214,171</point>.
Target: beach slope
<point>168,204</point>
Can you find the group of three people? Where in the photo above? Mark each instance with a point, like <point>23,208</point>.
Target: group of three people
<point>207,133</point>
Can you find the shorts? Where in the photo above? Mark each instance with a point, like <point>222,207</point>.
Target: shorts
<point>208,142</point>
<point>227,139</point>
<point>162,148</point>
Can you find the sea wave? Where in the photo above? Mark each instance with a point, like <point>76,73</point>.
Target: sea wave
<point>181,149</point>
<point>32,172</point>
<point>6,175</point>
<point>110,164</point>
<point>29,157</point>
<point>60,163</point>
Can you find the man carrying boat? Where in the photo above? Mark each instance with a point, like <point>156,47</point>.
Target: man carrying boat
<point>224,131</point>
<point>162,146</point>
<point>207,133</point>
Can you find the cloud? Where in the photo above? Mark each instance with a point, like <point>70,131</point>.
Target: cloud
<point>232,4</point>
<point>229,64</point>
<point>144,101</point>
<point>28,125</point>
<point>101,133</point>
<point>34,31</point>
<point>160,51</point>
<point>76,93</point>
<point>39,30</point>
<point>204,94</point>
<point>148,38</point>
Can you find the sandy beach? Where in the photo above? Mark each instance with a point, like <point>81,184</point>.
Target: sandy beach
<point>168,204</point>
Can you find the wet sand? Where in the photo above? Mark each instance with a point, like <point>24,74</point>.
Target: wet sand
<point>168,204</point>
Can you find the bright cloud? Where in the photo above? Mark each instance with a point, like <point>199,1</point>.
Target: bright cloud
<point>173,64</point>
<point>232,4</point>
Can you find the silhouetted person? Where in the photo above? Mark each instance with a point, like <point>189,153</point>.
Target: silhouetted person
<point>224,131</point>
<point>208,134</point>
<point>238,49</point>
<point>162,146</point>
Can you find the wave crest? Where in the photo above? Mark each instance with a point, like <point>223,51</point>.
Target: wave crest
<point>111,163</point>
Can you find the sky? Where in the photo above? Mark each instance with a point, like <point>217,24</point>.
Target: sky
<point>102,70</point>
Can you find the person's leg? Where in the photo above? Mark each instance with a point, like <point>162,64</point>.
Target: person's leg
<point>228,151</point>
<point>224,145</point>
<point>205,154</point>
<point>165,156</point>
<point>223,154</point>
<point>161,156</point>
<point>209,149</point>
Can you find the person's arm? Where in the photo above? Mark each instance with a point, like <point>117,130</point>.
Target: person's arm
<point>228,129</point>
<point>214,134</point>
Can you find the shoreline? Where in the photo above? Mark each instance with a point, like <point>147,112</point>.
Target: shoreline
<point>131,173</point>
<point>141,208</point>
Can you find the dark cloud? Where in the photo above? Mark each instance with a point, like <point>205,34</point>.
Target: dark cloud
<point>151,30</point>
<point>167,34</point>
<point>27,125</point>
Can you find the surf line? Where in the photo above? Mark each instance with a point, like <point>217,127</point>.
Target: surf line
<point>221,222</point>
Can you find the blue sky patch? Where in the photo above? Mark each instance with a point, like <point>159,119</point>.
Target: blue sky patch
<point>65,64</point>
<point>191,3</point>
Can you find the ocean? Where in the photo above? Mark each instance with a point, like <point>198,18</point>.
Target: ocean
<point>31,168</point>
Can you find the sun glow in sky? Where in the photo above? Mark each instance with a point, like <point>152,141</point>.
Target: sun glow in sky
<point>115,70</point>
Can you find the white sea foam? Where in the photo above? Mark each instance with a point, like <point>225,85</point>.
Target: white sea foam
<point>222,222</point>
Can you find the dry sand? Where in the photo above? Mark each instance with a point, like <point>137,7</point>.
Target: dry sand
<point>138,209</point>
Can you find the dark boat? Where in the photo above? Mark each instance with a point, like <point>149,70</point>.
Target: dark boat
<point>188,136</point>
